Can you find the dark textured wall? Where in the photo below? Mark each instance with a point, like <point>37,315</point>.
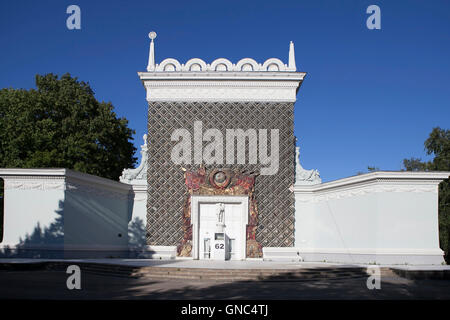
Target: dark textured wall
<point>166,189</point>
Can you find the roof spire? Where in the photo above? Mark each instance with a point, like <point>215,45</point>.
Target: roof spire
<point>292,66</point>
<point>151,55</point>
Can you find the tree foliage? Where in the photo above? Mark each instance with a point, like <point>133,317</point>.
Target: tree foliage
<point>61,124</point>
<point>415,164</point>
<point>438,145</point>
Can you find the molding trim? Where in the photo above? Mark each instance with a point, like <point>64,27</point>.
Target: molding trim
<point>33,183</point>
<point>221,91</point>
<point>222,86</point>
<point>391,180</point>
<point>363,190</point>
<point>64,247</point>
<point>374,182</point>
<point>431,177</point>
<point>222,76</point>
<point>65,180</point>
<point>140,193</point>
<point>220,94</point>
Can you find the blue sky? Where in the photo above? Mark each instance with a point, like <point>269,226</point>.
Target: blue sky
<point>371,97</point>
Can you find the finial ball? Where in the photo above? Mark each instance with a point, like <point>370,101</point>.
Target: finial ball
<point>152,35</point>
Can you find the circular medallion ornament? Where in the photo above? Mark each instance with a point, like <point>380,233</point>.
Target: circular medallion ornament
<point>219,178</point>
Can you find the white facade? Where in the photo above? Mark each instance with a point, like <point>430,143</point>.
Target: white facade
<point>385,217</point>
<point>379,217</point>
<point>88,215</point>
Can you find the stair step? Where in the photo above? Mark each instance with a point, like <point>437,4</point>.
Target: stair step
<point>210,274</point>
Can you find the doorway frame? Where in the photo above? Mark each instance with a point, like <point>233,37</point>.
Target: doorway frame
<point>195,219</point>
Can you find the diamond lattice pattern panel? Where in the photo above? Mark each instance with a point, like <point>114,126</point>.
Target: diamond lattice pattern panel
<point>166,189</point>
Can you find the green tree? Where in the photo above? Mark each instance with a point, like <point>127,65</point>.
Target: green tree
<point>61,124</point>
<point>438,145</point>
<point>415,164</point>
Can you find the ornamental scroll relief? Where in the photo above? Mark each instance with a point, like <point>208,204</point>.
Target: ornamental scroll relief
<point>220,182</point>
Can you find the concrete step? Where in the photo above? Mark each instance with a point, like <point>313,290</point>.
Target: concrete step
<point>262,274</point>
<point>96,268</point>
<point>211,274</point>
<point>262,270</point>
<point>442,274</point>
<point>254,278</point>
<point>215,274</point>
<point>252,274</point>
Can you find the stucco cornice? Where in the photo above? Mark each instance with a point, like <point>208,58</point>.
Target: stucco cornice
<point>60,179</point>
<point>223,76</point>
<point>402,179</point>
<point>225,86</point>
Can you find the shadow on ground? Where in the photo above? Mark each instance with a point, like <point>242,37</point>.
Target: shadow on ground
<point>51,284</point>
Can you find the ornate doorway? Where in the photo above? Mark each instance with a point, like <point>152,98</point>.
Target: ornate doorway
<point>233,191</point>
<point>204,224</point>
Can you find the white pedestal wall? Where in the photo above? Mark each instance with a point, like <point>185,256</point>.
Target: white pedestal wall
<point>95,213</point>
<point>25,209</point>
<point>380,217</point>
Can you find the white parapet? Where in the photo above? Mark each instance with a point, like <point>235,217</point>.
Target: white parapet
<point>221,80</point>
<point>380,217</point>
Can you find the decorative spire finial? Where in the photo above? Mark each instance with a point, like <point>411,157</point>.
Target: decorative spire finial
<point>292,66</point>
<point>151,56</point>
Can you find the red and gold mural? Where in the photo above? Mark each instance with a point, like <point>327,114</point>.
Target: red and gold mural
<point>220,182</point>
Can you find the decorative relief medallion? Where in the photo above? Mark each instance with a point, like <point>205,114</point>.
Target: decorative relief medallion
<point>219,178</point>
<point>220,182</point>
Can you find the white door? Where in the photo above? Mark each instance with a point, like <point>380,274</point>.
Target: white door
<point>233,229</point>
<point>234,225</point>
<point>206,229</point>
<point>204,219</point>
